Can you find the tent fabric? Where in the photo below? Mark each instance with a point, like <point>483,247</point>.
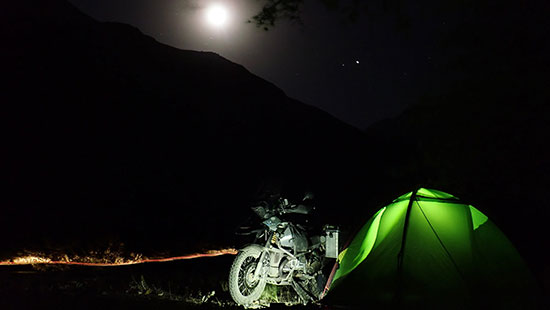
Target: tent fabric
<point>428,249</point>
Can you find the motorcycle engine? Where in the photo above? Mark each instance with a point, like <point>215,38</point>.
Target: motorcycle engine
<point>294,239</point>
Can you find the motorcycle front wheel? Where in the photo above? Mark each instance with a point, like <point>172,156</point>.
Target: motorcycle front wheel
<point>243,288</point>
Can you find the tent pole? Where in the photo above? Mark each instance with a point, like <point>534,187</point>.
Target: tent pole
<point>400,255</point>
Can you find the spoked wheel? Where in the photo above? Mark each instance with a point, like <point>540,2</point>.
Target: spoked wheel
<point>242,286</point>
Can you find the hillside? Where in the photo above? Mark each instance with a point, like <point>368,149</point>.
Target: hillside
<point>483,134</point>
<point>115,137</point>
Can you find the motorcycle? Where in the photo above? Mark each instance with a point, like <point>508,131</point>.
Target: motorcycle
<point>283,255</point>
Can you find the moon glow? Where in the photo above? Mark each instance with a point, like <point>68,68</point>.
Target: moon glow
<point>217,15</point>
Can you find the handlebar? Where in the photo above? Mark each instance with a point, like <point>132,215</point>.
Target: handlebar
<point>264,210</point>
<point>298,209</point>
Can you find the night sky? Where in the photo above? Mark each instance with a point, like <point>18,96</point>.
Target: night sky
<point>359,71</point>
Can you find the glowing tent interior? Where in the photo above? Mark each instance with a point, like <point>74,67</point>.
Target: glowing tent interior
<point>429,250</point>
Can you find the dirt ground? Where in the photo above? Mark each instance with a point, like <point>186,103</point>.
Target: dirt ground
<point>190,284</point>
<point>163,286</point>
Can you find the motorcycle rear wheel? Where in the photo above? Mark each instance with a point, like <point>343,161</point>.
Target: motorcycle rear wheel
<point>242,287</point>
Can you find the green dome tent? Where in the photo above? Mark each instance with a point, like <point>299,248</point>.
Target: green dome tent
<point>429,250</point>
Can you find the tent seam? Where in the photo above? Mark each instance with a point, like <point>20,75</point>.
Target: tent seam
<point>443,245</point>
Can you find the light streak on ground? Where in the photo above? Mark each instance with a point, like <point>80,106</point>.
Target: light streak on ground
<point>39,260</point>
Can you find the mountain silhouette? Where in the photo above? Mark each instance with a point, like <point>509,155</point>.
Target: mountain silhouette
<point>116,137</point>
<point>483,133</point>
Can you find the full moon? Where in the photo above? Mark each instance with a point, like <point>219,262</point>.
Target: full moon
<point>216,15</point>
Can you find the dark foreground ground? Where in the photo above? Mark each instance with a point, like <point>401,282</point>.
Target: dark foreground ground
<point>198,284</point>
<point>189,284</point>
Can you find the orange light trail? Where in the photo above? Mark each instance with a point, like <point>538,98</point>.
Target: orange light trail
<point>37,260</point>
